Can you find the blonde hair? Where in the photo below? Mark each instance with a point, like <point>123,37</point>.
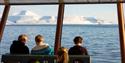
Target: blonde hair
<point>63,55</point>
<point>39,38</point>
<point>23,38</point>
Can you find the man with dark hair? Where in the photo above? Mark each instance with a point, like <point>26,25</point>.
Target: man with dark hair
<point>78,49</point>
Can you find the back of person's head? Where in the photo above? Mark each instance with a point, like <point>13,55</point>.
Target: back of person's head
<point>78,39</point>
<point>63,55</point>
<point>23,38</point>
<point>39,38</point>
<point>62,50</point>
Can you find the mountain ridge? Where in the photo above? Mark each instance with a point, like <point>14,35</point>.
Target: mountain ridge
<point>29,17</point>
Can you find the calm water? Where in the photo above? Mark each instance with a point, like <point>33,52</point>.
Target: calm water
<point>102,41</point>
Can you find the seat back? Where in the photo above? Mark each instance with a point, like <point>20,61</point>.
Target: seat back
<point>8,58</point>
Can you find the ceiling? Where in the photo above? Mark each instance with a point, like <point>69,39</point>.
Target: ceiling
<point>40,2</point>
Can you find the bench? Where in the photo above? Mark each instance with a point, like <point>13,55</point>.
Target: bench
<point>7,58</point>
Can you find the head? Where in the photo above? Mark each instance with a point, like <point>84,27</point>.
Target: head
<point>78,40</point>
<point>63,55</point>
<point>39,39</point>
<point>63,50</point>
<point>23,38</point>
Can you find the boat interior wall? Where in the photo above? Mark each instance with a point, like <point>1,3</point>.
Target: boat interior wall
<point>36,2</point>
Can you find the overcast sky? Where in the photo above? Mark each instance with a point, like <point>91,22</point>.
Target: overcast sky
<point>103,11</point>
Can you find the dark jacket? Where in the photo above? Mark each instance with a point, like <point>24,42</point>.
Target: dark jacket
<point>19,48</point>
<point>77,50</point>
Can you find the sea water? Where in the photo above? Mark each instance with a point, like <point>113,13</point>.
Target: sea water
<point>101,41</point>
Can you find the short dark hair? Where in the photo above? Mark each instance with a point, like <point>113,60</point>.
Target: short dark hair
<point>78,39</point>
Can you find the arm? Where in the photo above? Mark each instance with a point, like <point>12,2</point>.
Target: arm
<point>86,52</point>
<point>26,50</point>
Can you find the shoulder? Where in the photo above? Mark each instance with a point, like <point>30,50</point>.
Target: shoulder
<point>75,47</point>
<point>72,47</point>
<point>41,48</point>
<point>26,47</point>
<point>43,51</point>
<point>84,48</point>
<point>15,42</point>
<point>49,48</point>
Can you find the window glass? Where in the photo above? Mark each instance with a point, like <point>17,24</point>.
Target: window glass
<point>97,24</point>
<point>30,20</point>
<point>1,12</point>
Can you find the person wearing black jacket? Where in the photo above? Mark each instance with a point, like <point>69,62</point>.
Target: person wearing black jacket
<point>78,49</point>
<point>18,46</point>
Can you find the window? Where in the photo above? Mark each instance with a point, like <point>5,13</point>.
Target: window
<point>1,12</point>
<point>96,24</point>
<point>30,20</point>
<point>1,8</point>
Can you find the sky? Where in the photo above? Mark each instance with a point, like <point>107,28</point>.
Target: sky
<point>102,11</point>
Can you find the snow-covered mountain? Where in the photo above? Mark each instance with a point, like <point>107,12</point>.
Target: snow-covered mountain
<point>29,17</point>
<point>10,23</point>
<point>24,17</point>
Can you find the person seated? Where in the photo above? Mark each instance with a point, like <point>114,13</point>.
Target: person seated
<point>41,47</point>
<point>78,49</point>
<point>18,46</point>
<point>62,55</point>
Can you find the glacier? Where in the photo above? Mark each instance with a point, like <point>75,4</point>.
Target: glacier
<point>28,17</point>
